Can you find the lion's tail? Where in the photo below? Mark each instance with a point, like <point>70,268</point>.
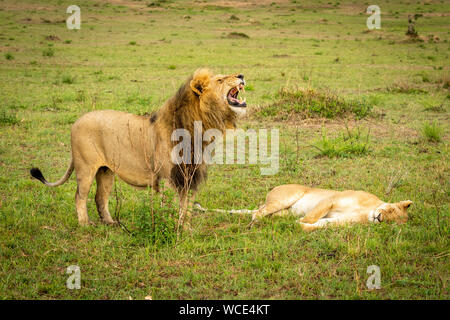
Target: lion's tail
<point>240,211</point>
<point>37,174</point>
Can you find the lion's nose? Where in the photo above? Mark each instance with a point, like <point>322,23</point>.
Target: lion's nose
<point>241,76</point>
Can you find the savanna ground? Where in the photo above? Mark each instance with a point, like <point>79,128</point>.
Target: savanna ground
<point>132,55</point>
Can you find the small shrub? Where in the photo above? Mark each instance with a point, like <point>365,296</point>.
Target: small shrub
<point>172,67</point>
<point>9,56</point>
<point>155,220</point>
<point>307,103</point>
<point>347,144</point>
<point>68,79</point>
<point>132,43</point>
<point>432,131</point>
<point>8,118</point>
<point>425,78</point>
<point>48,52</point>
<point>433,105</point>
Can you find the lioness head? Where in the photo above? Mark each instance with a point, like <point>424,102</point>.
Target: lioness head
<point>394,212</point>
<point>219,91</point>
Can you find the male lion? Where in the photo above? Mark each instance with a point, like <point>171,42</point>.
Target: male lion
<point>138,148</point>
<point>320,207</point>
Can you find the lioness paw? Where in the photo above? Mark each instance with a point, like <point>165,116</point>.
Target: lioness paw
<point>306,226</point>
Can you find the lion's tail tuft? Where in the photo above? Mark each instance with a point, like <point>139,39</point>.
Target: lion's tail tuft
<point>37,174</point>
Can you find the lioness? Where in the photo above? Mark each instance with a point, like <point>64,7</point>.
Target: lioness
<point>138,148</point>
<point>320,207</point>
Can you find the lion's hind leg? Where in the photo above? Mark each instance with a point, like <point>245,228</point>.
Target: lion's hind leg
<point>105,182</point>
<point>266,210</point>
<point>84,182</point>
<point>279,200</point>
<point>318,212</point>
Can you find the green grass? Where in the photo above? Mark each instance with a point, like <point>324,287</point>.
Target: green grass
<point>346,144</point>
<point>155,220</point>
<point>367,80</point>
<point>68,79</point>
<point>8,118</point>
<point>432,131</point>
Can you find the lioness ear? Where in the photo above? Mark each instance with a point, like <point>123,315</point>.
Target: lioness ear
<point>200,81</point>
<point>405,204</point>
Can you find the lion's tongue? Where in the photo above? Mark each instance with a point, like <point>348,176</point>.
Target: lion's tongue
<point>231,98</point>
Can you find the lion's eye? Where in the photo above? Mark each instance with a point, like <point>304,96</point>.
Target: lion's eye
<point>220,80</point>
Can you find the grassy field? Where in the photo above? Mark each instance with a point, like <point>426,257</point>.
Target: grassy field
<point>133,55</point>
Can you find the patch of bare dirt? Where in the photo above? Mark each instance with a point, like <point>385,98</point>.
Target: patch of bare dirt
<point>9,49</point>
<point>22,6</point>
<point>241,4</point>
<point>52,38</point>
<point>378,128</point>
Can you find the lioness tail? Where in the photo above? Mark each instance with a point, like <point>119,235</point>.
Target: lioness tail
<point>37,174</point>
<point>240,211</point>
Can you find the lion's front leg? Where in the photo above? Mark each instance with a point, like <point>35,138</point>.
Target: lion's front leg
<point>190,209</point>
<point>321,223</point>
<point>183,213</point>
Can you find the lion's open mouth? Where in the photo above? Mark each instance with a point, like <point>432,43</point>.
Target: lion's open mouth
<point>232,97</point>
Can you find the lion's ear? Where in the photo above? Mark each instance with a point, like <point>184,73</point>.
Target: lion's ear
<point>405,204</point>
<point>200,81</point>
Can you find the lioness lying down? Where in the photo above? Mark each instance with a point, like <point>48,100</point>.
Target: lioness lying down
<point>320,207</point>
